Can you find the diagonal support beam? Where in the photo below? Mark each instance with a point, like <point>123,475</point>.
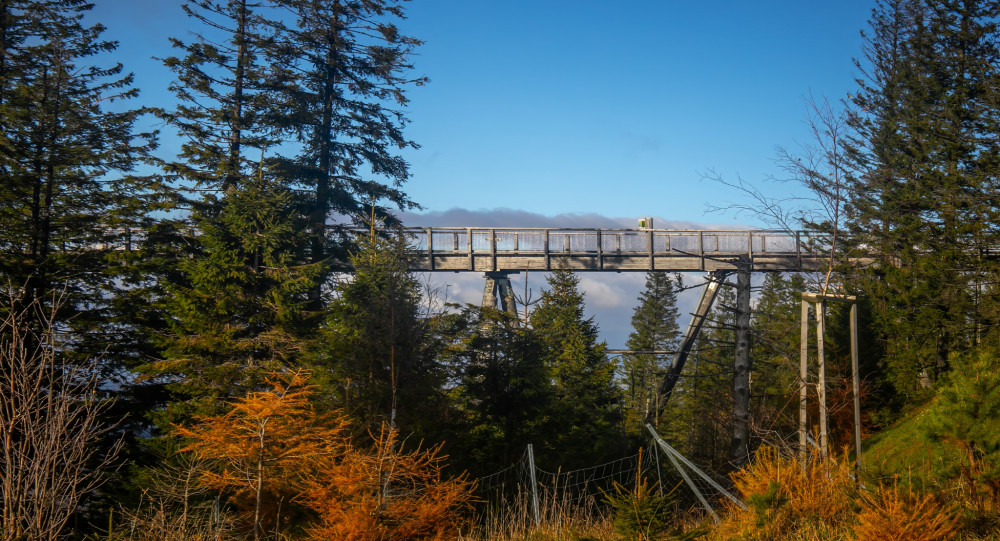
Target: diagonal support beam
<point>698,318</point>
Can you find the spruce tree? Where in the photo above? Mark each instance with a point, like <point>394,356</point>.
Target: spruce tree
<point>72,200</point>
<point>344,86</point>
<point>654,324</point>
<point>249,83</point>
<point>375,344</point>
<point>585,412</point>
<point>237,307</point>
<point>69,196</point>
<point>925,180</point>
<point>504,393</point>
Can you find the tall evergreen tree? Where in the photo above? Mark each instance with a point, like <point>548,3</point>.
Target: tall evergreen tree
<point>247,83</point>
<point>585,411</point>
<point>926,182</point>
<point>654,328</point>
<point>71,197</point>
<point>342,100</point>
<point>376,346</point>
<point>237,308</point>
<point>504,393</point>
<point>69,194</point>
<point>221,85</point>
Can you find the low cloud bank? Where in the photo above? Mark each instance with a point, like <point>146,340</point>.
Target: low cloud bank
<point>505,217</point>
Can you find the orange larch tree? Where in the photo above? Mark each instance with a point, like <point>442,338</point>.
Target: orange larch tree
<point>387,494</point>
<point>262,447</point>
<point>287,469</point>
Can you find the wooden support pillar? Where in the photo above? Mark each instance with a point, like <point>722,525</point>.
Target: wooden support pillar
<point>804,385</point>
<point>499,294</point>
<point>741,367</point>
<point>820,302</point>
<point>855,375</point>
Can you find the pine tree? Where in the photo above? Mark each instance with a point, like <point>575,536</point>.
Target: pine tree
<point>248,83</point>
<point>654,324</point>
<point>221,88</point>
<point>72,197</point>
<point>585,412</point>
<point>238,307</point>
<point>237,311</point>
<point>68,196</point>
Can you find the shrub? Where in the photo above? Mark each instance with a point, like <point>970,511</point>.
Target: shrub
<point>890,514</point>
<point>786,502</point>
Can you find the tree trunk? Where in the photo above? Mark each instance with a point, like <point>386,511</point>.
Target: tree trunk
<point>741,368</point>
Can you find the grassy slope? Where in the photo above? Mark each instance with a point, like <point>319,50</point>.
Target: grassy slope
<point>905,453</point>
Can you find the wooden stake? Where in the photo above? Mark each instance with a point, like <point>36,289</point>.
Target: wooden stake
<point>804,384</point>
<point>857,392</point>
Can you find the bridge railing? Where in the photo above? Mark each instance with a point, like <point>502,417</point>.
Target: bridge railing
<point>498,248</point>
<point>527,241</point>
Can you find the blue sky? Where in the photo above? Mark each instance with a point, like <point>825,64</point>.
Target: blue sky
<point>584,112</point>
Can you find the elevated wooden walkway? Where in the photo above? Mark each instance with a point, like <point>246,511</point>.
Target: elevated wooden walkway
<point>498,249</point>
<point>513,249</point>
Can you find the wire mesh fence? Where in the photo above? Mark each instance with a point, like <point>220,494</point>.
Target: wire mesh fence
<point>524,493</point>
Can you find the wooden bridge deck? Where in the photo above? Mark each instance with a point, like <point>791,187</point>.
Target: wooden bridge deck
<point>619,250</point>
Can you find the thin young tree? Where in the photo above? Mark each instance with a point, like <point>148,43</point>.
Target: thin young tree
<point>51,427</point>
<point>261,446</point>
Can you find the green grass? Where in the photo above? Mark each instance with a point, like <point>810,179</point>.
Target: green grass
<point>905,453</point>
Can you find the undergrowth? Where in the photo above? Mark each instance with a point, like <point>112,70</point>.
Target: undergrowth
<point>784,500</point>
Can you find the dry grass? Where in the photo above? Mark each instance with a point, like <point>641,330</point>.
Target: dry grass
<point>562,517</point>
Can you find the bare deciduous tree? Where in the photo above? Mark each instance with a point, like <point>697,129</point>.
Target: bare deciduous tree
<point>50,427</point>
<point>818,174</point>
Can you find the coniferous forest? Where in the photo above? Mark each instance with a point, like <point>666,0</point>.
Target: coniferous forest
<point>227,343</point>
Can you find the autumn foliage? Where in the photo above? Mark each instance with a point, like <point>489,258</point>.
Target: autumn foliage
<point>822,501</point>
<point>893,514</point>
<point>289,471</point>
<point>386,494</point>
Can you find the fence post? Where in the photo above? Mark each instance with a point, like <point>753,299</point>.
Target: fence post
<point>659,478</point>
<point>534,485</point>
